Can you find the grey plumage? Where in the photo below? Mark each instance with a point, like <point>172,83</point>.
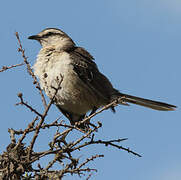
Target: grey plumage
<point>84,87</point>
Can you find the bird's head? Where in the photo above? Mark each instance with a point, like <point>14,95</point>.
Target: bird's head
<point>53,36</point>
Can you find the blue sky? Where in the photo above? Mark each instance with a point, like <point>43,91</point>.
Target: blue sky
<point>137,44</point>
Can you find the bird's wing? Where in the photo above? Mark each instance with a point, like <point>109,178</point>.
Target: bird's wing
<point>81,51</point>
<point>87,71</point>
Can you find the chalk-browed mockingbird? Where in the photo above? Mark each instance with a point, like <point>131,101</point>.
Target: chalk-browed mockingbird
<point>84,88</point>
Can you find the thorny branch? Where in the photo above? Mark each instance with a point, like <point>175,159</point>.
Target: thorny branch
<point>29,69</point>
<point>20,159</point>
<point>20,95</point>
<point>37,130</point>
<point>4,68</point>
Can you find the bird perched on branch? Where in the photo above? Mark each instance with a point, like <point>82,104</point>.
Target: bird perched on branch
<point>83,88</point>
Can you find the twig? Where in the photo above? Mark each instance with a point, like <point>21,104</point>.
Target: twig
<point>90,159</point>
<point>12,136</point>
<point>80,169</point>
<point>44,126</point>
<point>89,176</point>
<point>68,148</point>
<point>25,132</point>
<point>106,143</point>
<point>30,71</point>
<point>4,68</point>
<point>42,120</point>
<point>86,135</point>
<point>20,95</point>
<point>114,103</point>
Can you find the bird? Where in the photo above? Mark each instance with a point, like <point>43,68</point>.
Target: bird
<point>70,71</point>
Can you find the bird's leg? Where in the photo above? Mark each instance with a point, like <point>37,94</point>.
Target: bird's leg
<point>67,115</point>
<point>93,110</point>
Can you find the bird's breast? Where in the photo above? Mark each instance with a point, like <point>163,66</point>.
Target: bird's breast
<point>73,95</point>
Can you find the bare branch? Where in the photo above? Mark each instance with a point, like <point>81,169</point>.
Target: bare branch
<point>114,103</point>
<point>29,69</point>
<point>89,159</point>
<point>20,95</point>
<point>25,132</point>
<point>4,68</point>
<point>42,120</point>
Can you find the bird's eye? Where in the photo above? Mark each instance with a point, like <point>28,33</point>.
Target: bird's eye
<point>47,35</point>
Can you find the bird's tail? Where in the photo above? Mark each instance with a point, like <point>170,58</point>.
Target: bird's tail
<point>146,103</point>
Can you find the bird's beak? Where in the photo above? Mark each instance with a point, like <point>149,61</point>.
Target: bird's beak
<point>34,37</point>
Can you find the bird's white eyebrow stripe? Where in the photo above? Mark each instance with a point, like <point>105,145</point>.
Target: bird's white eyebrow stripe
<point>51,33</point>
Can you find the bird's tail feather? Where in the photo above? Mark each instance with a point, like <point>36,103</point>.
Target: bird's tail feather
<point>147,103</point>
